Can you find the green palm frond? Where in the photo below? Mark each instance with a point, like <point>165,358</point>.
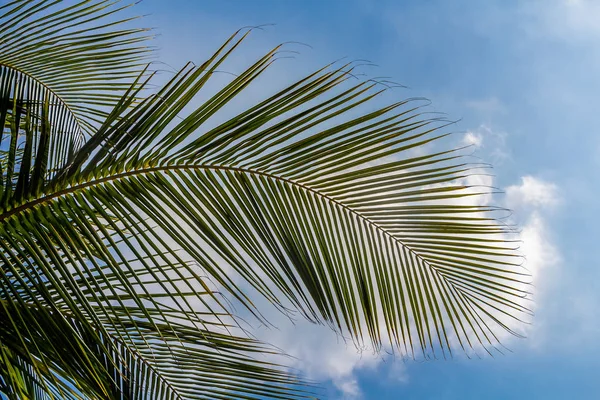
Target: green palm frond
<point>122,250</point>
<point>62,69</point>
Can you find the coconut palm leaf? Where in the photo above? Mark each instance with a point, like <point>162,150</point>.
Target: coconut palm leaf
<point>61,71</point>
<point>128,226</point>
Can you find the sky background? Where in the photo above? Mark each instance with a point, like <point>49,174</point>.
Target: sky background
<point>523,79</point>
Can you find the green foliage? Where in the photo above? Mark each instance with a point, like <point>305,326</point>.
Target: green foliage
<point>123,222</point>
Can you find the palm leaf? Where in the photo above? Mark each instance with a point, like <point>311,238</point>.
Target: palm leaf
<point>62,69</point>
<point>120,260</point>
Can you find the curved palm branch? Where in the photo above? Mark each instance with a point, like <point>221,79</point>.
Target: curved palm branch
<point>126,229</point>
<point>62,69</point>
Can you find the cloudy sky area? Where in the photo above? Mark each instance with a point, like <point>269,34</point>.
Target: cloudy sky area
<point>523,79</point>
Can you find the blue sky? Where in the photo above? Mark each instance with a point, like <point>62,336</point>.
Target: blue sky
<point>523,78</point>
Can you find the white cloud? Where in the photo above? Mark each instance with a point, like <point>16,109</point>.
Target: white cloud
<point>350,389</point>
<point>539,251</point>
<point>319,353</point>
<point>532,192</point>
<point>532,200</point>
<point>485,136</point>
<point>472,139</point>
<point>322,355</point>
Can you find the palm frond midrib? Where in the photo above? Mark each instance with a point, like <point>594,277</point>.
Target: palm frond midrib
<point>231,169</point>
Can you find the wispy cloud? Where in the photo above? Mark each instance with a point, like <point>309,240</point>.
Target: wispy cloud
<point>320,353</point>
<point>567,20</point>
<point>532,192</point>
<point>472,139</point>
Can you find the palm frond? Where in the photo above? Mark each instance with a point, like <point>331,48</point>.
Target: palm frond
<point>309,207</point>
<point>62,69</point>
<point>149,365</point>
<point>125,255</point>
